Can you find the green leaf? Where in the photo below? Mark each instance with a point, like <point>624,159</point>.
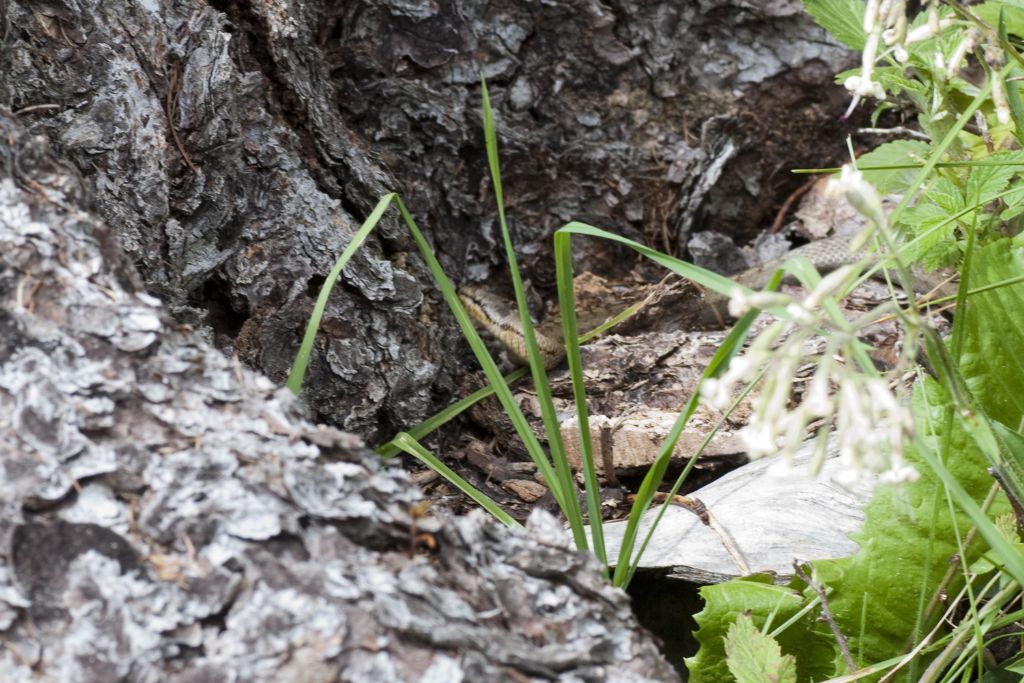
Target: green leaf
<point>806,640</point>
<point>898,153</point>
<point>934,234</point>
<point>879,595</point>
<point>1013,15</point>
<point>992,362</point>
<point>990,179</point>
<point>844,19</point>
<point>753,657</point>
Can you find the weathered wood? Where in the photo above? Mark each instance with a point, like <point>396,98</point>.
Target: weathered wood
<point>766,518</point>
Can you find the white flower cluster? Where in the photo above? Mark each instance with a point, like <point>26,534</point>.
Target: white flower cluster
<point>885,23</point>
<point>871,423</point>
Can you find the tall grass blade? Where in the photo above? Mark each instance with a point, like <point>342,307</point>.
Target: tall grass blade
<point>567,307</point>
<point>483,356</point>
<point>565,483</point>
<point>298,371</point>
<point>405,442</point>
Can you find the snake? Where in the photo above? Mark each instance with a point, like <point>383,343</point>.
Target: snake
<point>500,317</point>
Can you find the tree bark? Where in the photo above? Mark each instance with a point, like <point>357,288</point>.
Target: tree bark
<point>167,516</point>
<point>234,148</point>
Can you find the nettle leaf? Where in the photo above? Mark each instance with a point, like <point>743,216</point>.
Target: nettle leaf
<point>989,180</point>
<point>844,19</point>
<point>907,540</point>
<point>908,535</point>
<point>946,195</point>
<point>753,657</point>
<point>1014,203</point>
<point>898,153</point>
<point>935,242</point>
<point>807,640</point>
<point>992,362</point>
<point>895,81</point>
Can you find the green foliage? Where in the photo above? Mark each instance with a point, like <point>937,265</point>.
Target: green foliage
<point>960,194</point>
<point>844,19</point>
<point>554,468</point>
<point>769,607</point>
<point>1012,12</point>
<point>892,167</point>
<point>753,657</point>
<point>992,361</point>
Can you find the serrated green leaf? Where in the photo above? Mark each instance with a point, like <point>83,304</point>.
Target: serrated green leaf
<point>807,640</point>
<point>753,657</point>
<point>878,595</point>
<point>895,81</point>
<point>992,361</point>
<point>844,19</point>
<point>986,181</point>
<point>898,153</point>
<point>946,195</point>
<point>1014,201</point>
<point>921,221</point>
<point>906,542</point>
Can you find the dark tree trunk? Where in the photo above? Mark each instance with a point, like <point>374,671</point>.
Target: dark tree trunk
<point>234,148</point>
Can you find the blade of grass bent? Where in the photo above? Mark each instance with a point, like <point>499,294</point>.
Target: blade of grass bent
<point>298,371</point>
<point>483,356</point>
<point>423,429</point>
<point>564,482</point>
<point>413,447</point>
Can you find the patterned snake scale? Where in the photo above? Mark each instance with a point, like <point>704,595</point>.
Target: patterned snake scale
<point>500,317</point>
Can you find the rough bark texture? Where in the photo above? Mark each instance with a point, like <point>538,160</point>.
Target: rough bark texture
<point>166,516</point>
<point>233,148</point>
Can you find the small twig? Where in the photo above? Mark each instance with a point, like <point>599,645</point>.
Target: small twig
<point>36,107</point>
<point>895,132</point>
<point>171,111</point>
<point>826,614</point>
<point>728,542</point>
<point>780,217</point>
<point>697,507</point>
<point>990,145</point>
<point>608,449</point>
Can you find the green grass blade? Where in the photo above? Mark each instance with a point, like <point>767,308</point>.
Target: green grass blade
<point>656,473</point>
<point>627,563</point>
<point>427,427</point>
<point>405,442</point>
<point>483,356</point>
<point>567,306</point>
<point>298,372</point>
<point>701,276</point>
<point>564,484</point>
